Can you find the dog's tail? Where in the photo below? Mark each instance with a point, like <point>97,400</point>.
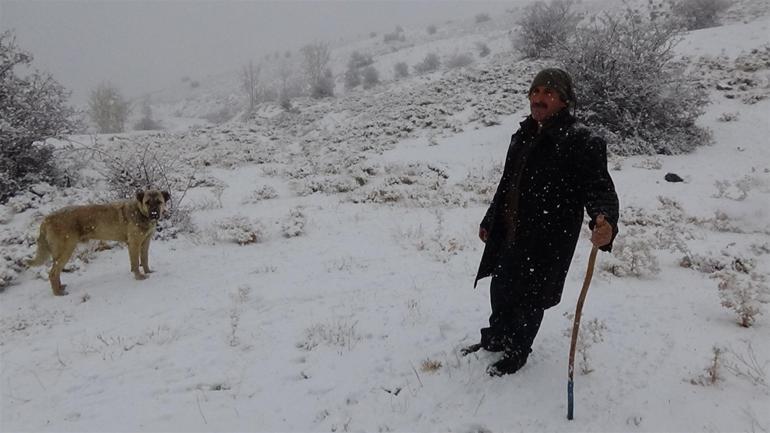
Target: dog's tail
<point>43,249</point>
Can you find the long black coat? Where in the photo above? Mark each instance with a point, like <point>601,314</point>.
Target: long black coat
<point>535,217</point>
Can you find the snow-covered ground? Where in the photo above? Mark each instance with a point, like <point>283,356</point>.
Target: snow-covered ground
<point>348,312</point>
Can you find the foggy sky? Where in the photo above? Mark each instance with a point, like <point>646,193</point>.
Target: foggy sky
<point>143,46</point>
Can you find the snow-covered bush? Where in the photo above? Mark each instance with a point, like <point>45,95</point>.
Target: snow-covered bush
<point>431,29</point>
<point>545,26</point>
<point>430,63</point>
<point>629,87</point>
<point>744,294</point>
<point>32,110</point>
<point>632,255</point>
<point>411,185</point>
<point>264,192</point>
<point>699,14</point>
<point>239,229</point>
<point>294,225</point>
<point>482,182</point>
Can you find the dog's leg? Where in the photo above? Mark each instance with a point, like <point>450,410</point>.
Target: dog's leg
<point>134,250</point>
<point>60,258</point>
<point>145,254</point>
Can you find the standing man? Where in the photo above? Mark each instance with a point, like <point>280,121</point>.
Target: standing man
<point>554,169</point>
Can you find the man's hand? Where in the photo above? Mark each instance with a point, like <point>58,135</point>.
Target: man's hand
<point>483,234</point>
<point>602,233</point>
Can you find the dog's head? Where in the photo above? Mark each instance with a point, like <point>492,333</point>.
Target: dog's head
<point>152,203</point>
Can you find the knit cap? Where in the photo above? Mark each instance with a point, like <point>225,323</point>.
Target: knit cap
<point>557,79</point>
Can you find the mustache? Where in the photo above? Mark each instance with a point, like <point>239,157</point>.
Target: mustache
<point>538,105</point>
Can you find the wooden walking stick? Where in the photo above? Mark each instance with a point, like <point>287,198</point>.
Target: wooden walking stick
<point>576,328</point>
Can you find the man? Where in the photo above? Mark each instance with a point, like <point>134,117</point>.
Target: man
<point>554,168</point>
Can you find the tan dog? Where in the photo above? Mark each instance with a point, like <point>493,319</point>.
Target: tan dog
<point>130,221</point>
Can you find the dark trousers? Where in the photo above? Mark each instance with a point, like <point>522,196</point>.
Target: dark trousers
<point>514,322</point>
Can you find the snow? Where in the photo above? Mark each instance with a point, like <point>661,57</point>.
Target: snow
<point>329,330</point>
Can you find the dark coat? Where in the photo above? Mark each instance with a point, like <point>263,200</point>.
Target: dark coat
<point>535,217</point>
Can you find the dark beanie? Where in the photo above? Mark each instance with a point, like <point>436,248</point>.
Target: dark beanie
<point>557,79</point>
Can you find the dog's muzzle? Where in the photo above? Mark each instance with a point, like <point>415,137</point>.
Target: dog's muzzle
<point>153,214</point>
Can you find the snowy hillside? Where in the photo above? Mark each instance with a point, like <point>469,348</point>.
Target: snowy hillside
<point>323,281</point>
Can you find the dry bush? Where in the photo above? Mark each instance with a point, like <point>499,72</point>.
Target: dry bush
<point>430,366</point>
<point>712,374</point>
<point>591,332</point>
<point>744,294</point>
<point>339,334</point>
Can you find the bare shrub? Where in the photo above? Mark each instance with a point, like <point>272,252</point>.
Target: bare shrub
<point>459,61</point>
<point>265,192</point>
<point>629,87</point>
<point>430,63</point>
<point>108,108</point>
<point>591,332</point>
<point>339,334</point>
<point>430,366</point>
<point>712,374</point>
<point>147,122</point>
<point>239,229</point>
<point>699,14</point>
<point>748,366</point>
<point>545,26</point>
<point>743,294</point>
<point>316,65</point>
<point>250,84</point>
<point>401,70</point>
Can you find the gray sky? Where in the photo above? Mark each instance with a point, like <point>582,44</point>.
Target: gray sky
<point>145,45</point>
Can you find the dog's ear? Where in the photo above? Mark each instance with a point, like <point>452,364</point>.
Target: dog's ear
<point>140,196</point>
<point>166,196</point>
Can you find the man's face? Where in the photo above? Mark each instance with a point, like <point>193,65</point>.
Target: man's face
<point>544,102</point>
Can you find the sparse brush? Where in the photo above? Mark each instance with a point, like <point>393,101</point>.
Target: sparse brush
<point>590,333</point>
<point>748,366</point>
<point>430,366</point>
<point>712,373</point>
<point>743,294</point>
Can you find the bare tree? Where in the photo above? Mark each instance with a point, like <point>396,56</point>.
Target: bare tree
<point>250,83</point>
<point>545,26</point>
<point>108,108</point>
<point>316,63</point>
